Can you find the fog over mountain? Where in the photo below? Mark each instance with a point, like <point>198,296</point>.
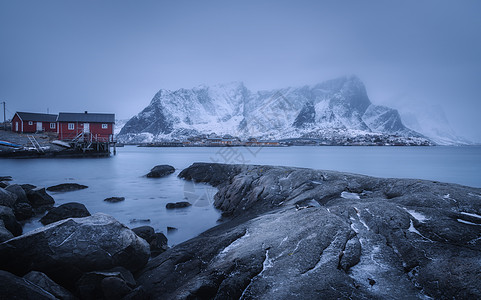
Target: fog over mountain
<point>338,107</point>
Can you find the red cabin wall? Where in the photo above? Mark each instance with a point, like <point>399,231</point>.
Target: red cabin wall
<point>16,120</point>
<point>23,126</point>
<point>96,130</point>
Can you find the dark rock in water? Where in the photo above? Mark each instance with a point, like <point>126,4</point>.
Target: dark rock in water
<point>3,184</point>
<point>66,187</point>
<point>114,199</point>
<point>365,238</point>
<point>133,221</point>
<point>158,244</point>
<point>145,232</point>
<point>65,211</point>
<point>23,211</point>
<point>9,220</point>
<point>171,229</point>
<point>4,233</point>
<point>7,198</point>
<point>114,288</point>
<point>213,174</point>
<point>5,178</point>
<point>38,197</point>
<point>158,241</point>
<point>89,286</point>
<point>19,191</point>
<point>27,187</point>
<point>41,280</point>
<point>14,287</point>
<point>181,204</point>
<point>66,249</point>
<point>160,171</point>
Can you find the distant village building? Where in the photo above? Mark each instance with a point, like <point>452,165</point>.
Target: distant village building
<point>26,122</point>
<point>99,127</point>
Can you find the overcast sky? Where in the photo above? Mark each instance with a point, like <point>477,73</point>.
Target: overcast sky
<point>113,56</point>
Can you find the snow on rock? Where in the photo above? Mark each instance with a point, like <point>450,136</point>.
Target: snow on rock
<point>348,195</point>
<point>418,216</point>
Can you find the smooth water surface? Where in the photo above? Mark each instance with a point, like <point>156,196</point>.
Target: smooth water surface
<point>145,198</point>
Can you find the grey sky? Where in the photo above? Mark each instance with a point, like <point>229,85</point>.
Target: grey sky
<point>113,56</point>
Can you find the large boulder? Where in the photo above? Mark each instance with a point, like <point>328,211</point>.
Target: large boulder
<point>158,241</point>
<point>4,233</point>
<point>7,198</point>
<point>23,211</point>
<point>160,171</point>
<point>44,282</point>
<point>145,232</point>
<point>66,249</point>
<point>38,197</point>
<point>27,187</point>
<point>65,211</point>
<point>11,223</point>
<point>66,187</point>
<point>19,191</point>
<point>14,287</point>
<point>91,285</point>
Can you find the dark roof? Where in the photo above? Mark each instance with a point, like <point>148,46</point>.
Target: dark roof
<point>26,116</point>
<point>86,117</point>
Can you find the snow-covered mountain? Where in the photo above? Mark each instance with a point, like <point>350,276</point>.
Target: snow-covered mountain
<point>339,106</point>
<point>119,124</point>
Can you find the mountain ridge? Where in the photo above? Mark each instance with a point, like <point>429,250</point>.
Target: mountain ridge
<point>340,104</point>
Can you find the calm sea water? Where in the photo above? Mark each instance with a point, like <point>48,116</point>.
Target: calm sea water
<point>145,198</point>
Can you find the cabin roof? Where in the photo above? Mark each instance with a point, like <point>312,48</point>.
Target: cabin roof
<point>28,116</point>
<point>86,117</point>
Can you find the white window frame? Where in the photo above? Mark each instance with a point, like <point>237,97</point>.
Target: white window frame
<point>52,125</point>
<point>30,122</point>
<point>105,126</point>
<point>71,126</point>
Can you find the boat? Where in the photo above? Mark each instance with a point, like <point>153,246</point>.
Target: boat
<point>8,144</point>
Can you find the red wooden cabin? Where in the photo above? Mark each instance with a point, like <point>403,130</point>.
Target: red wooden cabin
<point>25,122</point>
<point>92,126</point>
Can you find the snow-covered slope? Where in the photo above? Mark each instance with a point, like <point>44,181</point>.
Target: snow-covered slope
<point>339,105</point>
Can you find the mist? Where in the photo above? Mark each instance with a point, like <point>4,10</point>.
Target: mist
<point>113,56</point>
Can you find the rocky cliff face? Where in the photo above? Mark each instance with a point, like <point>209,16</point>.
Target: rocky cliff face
<point>340,104</point>
<point>314,234</point>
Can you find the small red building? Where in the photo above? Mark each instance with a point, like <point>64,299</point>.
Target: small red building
<point>25,122</point>
<point>94,126</point>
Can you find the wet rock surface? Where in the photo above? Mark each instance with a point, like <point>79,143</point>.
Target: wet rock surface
<point>160,171</point>
<point>114,199</point>
<point>38,197</point>
<point>314,234</point>
<point>66,187</point>
<point>181,204</point>
<point>65,211</point>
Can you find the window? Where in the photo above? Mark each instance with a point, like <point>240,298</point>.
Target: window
<point>30,123</point>
<point>105,126</point>
<point>52,125</point>
<point>71,126</point>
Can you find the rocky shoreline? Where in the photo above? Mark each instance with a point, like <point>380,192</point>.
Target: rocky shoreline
<point>287,232</point>
<point>76,255</point>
